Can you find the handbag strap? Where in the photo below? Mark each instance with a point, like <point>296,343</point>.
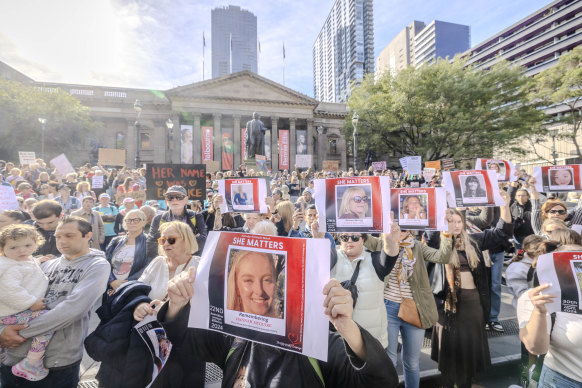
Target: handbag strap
<point>356,273</point>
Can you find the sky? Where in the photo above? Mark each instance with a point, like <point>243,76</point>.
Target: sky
<point>157,44</point>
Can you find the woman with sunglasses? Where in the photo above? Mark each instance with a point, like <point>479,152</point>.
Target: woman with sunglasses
<point>551,209</point>
<point>354,204</point>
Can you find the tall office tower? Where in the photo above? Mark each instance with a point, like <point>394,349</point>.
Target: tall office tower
<point>234,40</point>
<point>440,40</point>
<point>344,50</point>
<point>399,53</point>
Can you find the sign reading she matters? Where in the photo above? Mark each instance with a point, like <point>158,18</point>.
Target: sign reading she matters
<point>558,179</point>
<point>472,188</point>
<point>160,177</point>
<point>563,271</point>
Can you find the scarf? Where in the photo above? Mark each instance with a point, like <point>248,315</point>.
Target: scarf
<point>406,259</point>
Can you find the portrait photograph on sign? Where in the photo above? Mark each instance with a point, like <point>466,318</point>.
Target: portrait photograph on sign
<point>354,205</point>
<point>563,271</point>
<point>505,170</point>
<point>558,178</point>
<point>419,208</point>
<point>243,195</point>
<point>264,289</point>
<point>413,209</point>
<point>472,188</point>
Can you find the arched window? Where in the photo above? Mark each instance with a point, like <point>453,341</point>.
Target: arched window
<point>120,140</point>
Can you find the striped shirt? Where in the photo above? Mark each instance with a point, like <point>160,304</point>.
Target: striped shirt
<point>392,291</point>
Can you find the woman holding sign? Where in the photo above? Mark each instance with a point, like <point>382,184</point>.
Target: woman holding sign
<point>551,209</point>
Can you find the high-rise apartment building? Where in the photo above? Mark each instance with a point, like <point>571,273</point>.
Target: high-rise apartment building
<point>440,40</point>
<point>234,40</point>
<point>399,53</point>
<point>344,50</point>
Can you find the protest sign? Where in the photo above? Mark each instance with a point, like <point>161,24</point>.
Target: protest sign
<point>261,161</point>
<point>436,164</point>
<point>472,188</point>
<point>291,316</point>
<point>379,166</point>
<point>212,165</point>
<point>155,337</point>
<point>421,208</point>
<point>136,195</point>
<point>563,271</point>
<point>404,163</point>
<point>330,165</point>
<point>428,173</point>
<point>111,157</point>
<point>412,164</point>
<point>8,199</point>
<point>504,169</point>
<point>160,177</point>
<point>303,161</point>
<point>558,179</point>
<point>62,164</point>
<point>245,195</point>
<point>448,164</point>
<point>355,204</point>
<point>97,182</point>
<point>26,158</point>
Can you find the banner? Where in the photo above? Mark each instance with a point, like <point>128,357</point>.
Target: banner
<point>26,158</point>
<point>420,208</point>
<point>330,165</point>
<point>243,144</point>
<point>243,195</point>
<point>448,164</point>
<point>155,338</point>
<point>261,161</point>
<point>8,199</point>
<point>283,149</point>
<point>504,169</point>
<point>355,204</point>
<point>563,270</point>
<point>111,157</point>
<point>97,182</point>
<point>558,178</point>
<point>428,173</point>
<point>136,195</point>
<point>160,176</point>
<point>472,188</point>
<point>186,146</point>
<point>292,273</point>
<point>434,164</point>
<point>379,166</point>
<point>62,164</point>
<point>301,145</point>
<point>227,151</point>
<point>207,143</point>
<point>303,161</point>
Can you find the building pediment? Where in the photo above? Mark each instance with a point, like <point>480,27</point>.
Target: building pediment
<point>241,86</point>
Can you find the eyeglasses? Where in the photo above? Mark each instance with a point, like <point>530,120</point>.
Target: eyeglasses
<point>560,212</point>
<point>170,198</point>
<point>133,220</point>
<point>358,199</point>
<point>346,238</point>
<point>170,240</point>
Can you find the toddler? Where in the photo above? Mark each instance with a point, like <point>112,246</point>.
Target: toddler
<point>22,288</point>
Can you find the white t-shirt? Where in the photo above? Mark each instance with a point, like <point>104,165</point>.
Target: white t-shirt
<point>123,261</point>
<point>565,353</point>
<point>157,275</point>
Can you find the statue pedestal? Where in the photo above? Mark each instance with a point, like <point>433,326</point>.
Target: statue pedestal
<point>250,163</point>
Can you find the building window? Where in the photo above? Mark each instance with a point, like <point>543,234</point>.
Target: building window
<point>120,140</point>
<point>144,141</point>
<point>333,146</point>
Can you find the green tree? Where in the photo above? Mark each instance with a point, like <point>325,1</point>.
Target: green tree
<point>68,121</point>
<point>446,110</point>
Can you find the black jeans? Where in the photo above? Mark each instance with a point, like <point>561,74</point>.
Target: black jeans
<point>61,378</point>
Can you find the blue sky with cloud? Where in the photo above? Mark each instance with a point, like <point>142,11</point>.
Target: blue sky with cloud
<point>158,43</point>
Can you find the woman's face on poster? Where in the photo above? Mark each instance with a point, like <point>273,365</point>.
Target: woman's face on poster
<point>256,283</point>
<point>495,166</point>
<point>358,203</point>
<point>472,184</point>
<point>562,177</point>
<point>414,206</point>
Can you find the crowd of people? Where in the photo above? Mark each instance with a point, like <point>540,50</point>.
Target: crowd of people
<point>71,248</point>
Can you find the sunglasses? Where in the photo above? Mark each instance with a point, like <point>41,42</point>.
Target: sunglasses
<point>345,238</point>
<point>560,212</point>
<point>173,197</point>
<point>170,240</point>
<point>358,199</point>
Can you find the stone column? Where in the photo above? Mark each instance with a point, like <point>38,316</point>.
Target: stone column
<point>159,138</point>
<point>217,137</point>
<point>237,159</point>
<point>292,143</point>
<point>274,144</point>
<point>310,149</point>
<point>196,140</point>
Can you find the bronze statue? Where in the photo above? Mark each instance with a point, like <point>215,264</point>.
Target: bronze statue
<point>255,137</point>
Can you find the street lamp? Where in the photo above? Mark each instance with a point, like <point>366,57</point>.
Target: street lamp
<point>137,106</point>
<point>170,126</point>
<point>355,119</point>
<point>42,121</point>
<point>553,133</point>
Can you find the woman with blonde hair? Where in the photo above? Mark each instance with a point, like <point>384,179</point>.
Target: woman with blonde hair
<point>283,216</point>
<point>354,203</point>
<point>82,190</point>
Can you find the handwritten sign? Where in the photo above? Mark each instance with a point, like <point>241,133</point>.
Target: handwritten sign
<point>379,166</point>
<point>448,164</point>
<point>97,181</point>
<point>160,177</point>
<point>303,161</point>
<point>330,165</point>
<point>62,164</point>
<point>8,199</point>
<point>111,157</point>
<point>436,164</point>
<point>26,157</point>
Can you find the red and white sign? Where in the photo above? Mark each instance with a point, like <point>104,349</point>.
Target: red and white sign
<point>243,144</point>
<point>420,208</point>
<point>472,188</point>
<point>283,149</point>
<point>290,315</point>
<point>505,170</point>
<point>563,272</point>
<point>243,195</point>
<point>207,143</point>
<point>558,178</point>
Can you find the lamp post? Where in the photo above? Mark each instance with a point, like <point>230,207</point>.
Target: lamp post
<point>355,119</point>
<point>553,133</point>
<point>42,121</point>
<point>170,126</point>
<point>137,107</point>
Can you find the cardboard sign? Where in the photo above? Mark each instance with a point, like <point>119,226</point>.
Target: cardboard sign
<point>62,164</point>
<point>448,164</point>
<point>419,208</point>
<point>303,161</point>
<point>436,164</point>
<point>111,157</point>
<point>558,179</point>
<point>379,166</point>
<point>8,199</point>
<point>355,204</point>
<point>136,195</point>
<point>97,182</point>
<point>245,195</point>
<point>472,188</point>
<point>563,270</point>
<point>212,165</point>
<point>160,176</point>
<point>504,169</point>
<point>26,158</point>
<point>291,316</point>
<point>330,165</point>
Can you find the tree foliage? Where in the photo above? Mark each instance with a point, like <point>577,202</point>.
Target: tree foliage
<point>445,110</point>
<point>68,121</point>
